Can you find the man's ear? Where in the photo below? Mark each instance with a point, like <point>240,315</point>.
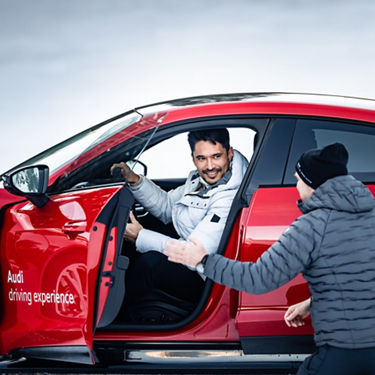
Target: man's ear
<point>230,153</point>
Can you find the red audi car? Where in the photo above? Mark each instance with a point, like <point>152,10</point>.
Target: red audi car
<point>63,216</point>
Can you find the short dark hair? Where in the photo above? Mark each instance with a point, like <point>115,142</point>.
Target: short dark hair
<point>212,135</point>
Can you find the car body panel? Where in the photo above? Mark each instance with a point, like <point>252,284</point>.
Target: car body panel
<point>266,103</point>
<point>72,243</point>
<point>6,197</point>
<point>261,228</point>
<point>50,264</point>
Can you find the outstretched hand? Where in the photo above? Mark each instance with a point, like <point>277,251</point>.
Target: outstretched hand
<point>296,313</point>
<point>189,254</point>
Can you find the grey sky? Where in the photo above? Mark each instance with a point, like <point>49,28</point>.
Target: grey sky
<point>67,65</point>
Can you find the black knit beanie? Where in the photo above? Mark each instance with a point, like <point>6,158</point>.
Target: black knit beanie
<point>319,165</point>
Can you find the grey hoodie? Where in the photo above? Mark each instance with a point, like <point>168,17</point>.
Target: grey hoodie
<point>333,245</point>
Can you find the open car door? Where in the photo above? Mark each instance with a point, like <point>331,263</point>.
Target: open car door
<point>62,272</point>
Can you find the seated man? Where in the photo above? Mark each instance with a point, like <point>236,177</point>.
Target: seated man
<point>199,208</point>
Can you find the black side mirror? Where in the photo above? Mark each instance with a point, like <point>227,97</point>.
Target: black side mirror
<point>30,182</point>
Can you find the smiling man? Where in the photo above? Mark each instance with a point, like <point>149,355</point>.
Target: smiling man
<point>199,208</point>
<point>211,159</point>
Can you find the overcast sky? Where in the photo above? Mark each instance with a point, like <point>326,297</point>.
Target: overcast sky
<point>66,65</point>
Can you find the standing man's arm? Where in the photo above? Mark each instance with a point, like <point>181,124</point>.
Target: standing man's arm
<point>290,255</point>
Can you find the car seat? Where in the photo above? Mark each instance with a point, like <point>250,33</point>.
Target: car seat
<point>158,307</point>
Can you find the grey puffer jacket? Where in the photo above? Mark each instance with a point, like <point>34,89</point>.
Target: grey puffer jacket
<point>333,245</point>
<point>201,214</point>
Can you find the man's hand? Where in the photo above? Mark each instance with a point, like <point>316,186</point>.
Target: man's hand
<point>126,173</point>
<point>132,229</point>
<point>296,313</point>
<point>185,253</point>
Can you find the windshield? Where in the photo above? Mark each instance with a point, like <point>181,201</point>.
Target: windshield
<point>93,167</point>
<point>65,152</point>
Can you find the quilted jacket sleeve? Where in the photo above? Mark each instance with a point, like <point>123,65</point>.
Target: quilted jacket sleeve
<point>286,258</point>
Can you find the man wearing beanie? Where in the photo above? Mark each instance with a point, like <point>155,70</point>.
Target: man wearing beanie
<point>333,245</point>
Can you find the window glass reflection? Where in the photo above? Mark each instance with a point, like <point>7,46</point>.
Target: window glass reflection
<point>27,181</point>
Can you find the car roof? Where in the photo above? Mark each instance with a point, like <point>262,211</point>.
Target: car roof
<point>287,97</point>
<point>266,102</point>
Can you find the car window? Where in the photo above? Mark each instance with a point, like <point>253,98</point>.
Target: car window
<point>172,157</point>
<point>358,139</point>
<point>70,149</point>
<point>96,171</point>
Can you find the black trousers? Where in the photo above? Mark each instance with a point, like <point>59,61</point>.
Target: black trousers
<point>152,270</point>
<point>329,360</point>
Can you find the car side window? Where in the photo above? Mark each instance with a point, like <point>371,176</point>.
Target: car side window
<point>358,139</point>
<point>172,158</point>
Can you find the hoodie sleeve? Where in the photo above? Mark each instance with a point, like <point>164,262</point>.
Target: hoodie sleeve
<point>284,260</point>
<point>150,240</point>
<point>157,201</point>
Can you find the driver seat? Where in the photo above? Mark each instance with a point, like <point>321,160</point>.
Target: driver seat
<point>158,307</point>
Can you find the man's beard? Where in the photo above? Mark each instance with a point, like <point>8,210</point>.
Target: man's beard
<point>207,171</point>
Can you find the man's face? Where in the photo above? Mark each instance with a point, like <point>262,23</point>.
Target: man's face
<point>212,161</point>
<point>304,190</point>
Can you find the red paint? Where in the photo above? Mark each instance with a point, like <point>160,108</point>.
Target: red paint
<point>35,242</point>
<point>300,109</point>
<point>57,250</point>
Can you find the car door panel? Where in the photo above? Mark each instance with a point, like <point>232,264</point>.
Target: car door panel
<point>50,261</point>
<point>270,212</point>
<point>261,317</point>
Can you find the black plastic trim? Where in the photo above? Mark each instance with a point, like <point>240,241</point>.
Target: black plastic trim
<point>168,345</point>
<point>76,354</point>
<point>114,214</point>
<point>301,344</point>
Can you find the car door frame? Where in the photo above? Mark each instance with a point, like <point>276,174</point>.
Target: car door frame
<point>169,130</point>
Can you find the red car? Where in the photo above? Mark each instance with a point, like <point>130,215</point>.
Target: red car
<point>63,215</point>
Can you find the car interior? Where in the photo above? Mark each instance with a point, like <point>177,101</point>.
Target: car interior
<point>168,161</point>
<point>168,164</point>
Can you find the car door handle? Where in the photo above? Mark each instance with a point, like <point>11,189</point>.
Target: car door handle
<point>74,227</point>
<point>139,210</point>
